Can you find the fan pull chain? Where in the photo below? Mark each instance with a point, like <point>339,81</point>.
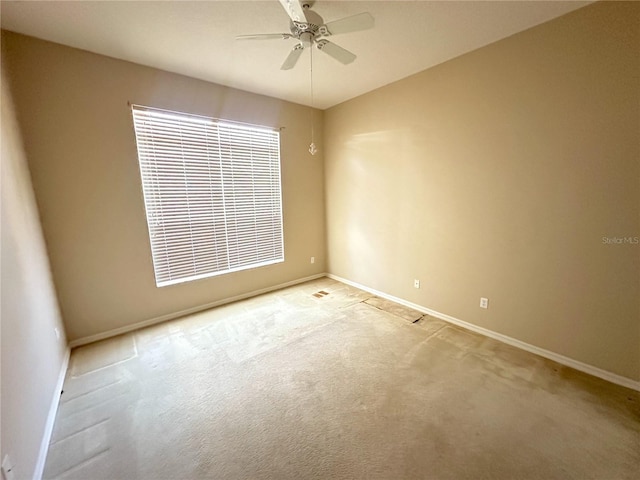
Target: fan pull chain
<point>312,147</point>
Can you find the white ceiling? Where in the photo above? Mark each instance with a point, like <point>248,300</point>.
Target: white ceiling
<point>197,38</point>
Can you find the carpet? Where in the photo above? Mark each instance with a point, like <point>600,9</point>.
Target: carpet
<point>339,385</point>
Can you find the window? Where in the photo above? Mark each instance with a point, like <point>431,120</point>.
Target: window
<point>211,193</point>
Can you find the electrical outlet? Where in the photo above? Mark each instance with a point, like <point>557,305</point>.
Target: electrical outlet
<point>313,259</point>
<point>7,469</point>
<point>416,283</point>
<point>484,302</point>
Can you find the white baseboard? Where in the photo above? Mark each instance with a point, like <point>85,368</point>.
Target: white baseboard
<point>51,417</point>
<point>171,316</point>
<point>569,362</point>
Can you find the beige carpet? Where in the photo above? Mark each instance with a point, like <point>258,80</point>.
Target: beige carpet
<point>338,385</point>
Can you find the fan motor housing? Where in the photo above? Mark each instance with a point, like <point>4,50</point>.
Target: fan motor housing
<point>312,25</point>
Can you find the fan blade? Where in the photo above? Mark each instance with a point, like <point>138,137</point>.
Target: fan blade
<point>264,36</point>
<point>355,23</point>
<point>293,57</point>
<point>294,10</point>
<point>333,50</point>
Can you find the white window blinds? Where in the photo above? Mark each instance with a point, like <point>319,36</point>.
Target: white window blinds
<point>211,192</point>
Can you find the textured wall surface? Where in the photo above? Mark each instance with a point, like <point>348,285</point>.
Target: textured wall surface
<point>32,355</point>
<point>78,130</point>
<point>502,174</point>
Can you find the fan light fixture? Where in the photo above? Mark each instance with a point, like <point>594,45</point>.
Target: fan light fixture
<point>309,29</point>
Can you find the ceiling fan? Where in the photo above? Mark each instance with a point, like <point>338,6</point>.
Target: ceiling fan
<point>309,29</point>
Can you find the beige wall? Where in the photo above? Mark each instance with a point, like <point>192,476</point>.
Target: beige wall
<point>72,107</point>
<point>497,174</point>
<point>32,356</point>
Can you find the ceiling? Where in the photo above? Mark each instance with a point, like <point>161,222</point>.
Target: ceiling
<point>197,38</point>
